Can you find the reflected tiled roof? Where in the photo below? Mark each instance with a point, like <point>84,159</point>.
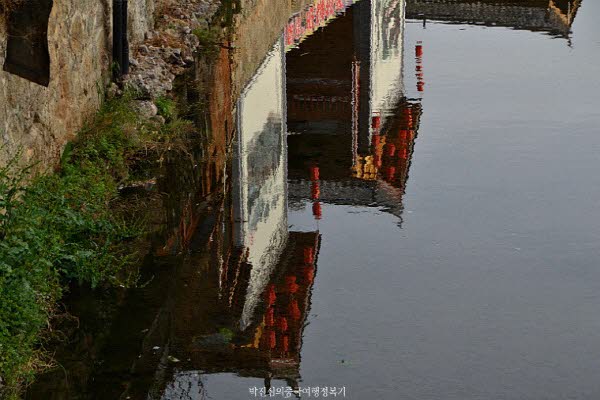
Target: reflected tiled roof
<point>354,192</point>
<point>553,16</point>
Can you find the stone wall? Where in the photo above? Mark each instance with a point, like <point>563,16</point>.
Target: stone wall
<point>40,120</point>
<point>141,18</point>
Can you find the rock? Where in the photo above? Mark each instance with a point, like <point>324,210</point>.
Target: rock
<point>173,359</point>
<point>113,91</point>
<point>146,109</point>
<point>169,49</point>
<point>175,59</point>
<point>158,119</point>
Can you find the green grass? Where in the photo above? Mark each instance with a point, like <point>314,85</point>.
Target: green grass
<point>166,108</point>
<point>63,227</point>
<point>209,40</point>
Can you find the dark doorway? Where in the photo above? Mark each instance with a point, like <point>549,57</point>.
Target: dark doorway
<point>27,49</point>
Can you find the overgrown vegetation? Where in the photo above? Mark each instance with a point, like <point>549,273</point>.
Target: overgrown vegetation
<point>167,108</point>
<point>63,227</point>
<point>209,39</point>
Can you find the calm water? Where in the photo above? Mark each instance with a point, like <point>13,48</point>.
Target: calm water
<point>410,210</point>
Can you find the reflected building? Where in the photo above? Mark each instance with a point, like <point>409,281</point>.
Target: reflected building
<point>259,174</point>
<point>323,118</point>
<point>348,116</point>
<point>264,272</point>
<point>551,16</point>
<point>354,112</point>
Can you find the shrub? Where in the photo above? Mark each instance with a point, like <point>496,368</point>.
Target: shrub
<point>62,227</point>
<point>166,108</point>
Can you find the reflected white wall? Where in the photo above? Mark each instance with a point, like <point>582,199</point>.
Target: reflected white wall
<point>260,174</point>
<point>387,40</point>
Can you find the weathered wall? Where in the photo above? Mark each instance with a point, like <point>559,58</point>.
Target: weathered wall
<point>40,120</point>
<point>257,27</point>
<point>141,18</point>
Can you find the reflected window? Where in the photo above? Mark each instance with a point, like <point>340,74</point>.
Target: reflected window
<point>27,48</point>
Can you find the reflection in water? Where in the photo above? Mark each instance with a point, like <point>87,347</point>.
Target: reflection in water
<point>552,16</point>
<point>239,301</point>
<point>259,182</point>
<point>347,115</point>
<point>264,282</point>
<point>336,97</point>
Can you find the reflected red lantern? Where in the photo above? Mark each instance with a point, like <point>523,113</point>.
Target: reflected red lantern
<point>390,173</point>
<point>376,122</point>
<point>271,296</point>
<point>377,160</point>
<point>285,343</point>
<point>376,140</point>
<point>290,283</point>
<point>419,50</point>
<point>309,255</point>
<point>314,173</point>
<point>294,310</point>
<point>391,149</point>
<point>270,317</point>
<point>309,274</point>
<point>272,338</point>
<point>316,208</point>
<point>315,190</point>
<point>283,324</point>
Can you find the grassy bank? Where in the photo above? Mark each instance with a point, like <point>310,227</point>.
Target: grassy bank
<point>65,226</point>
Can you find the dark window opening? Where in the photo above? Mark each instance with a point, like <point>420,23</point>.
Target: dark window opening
<point>27,48</point>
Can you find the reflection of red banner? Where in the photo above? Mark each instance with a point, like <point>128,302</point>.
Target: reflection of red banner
<point>311,19</point>
<point>419,66</point>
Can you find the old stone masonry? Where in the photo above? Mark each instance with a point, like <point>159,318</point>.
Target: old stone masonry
<point>55,80</point>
